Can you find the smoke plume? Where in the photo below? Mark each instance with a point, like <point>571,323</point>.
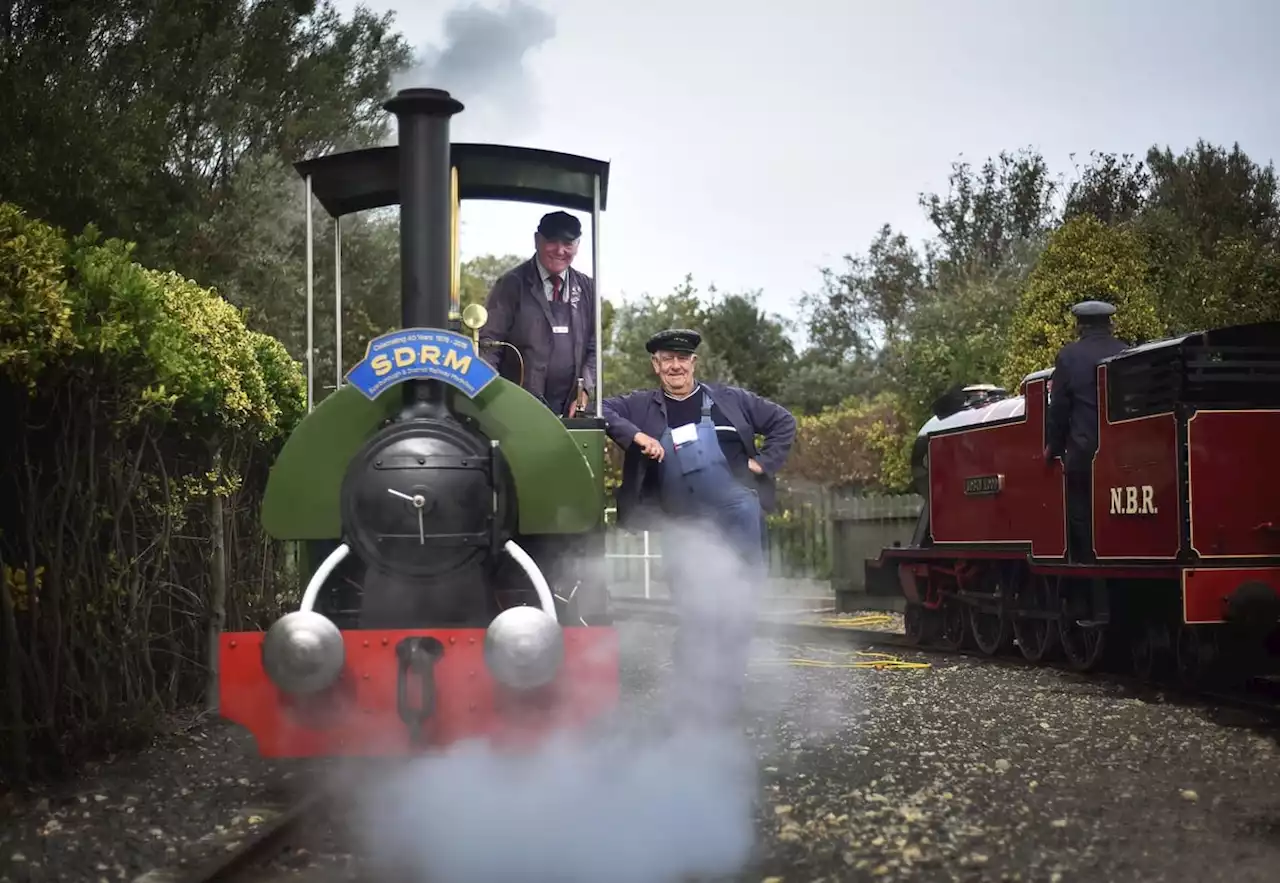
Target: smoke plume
<point>658,794</point>
<point>482,64</point>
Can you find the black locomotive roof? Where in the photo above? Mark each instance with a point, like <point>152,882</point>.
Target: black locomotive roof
<point>1255,334</point>
<point>359,180</point>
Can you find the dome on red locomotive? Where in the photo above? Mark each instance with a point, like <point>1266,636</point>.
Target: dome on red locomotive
<point>960,406</point>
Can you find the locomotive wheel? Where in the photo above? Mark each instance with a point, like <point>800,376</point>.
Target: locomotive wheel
<point>1151,651</point>
<point>954,625</point>
<point>1036,637</point>
<point>1082,646</point>
<point>913,622</point>
<point>991,628</point>
<point>1197,651</point>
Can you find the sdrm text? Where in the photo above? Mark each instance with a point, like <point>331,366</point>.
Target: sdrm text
<point>427,354</point>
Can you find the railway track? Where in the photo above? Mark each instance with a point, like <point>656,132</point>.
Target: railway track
<point>1262,700</point>
<point>249,859</point>
<point>252,859</point>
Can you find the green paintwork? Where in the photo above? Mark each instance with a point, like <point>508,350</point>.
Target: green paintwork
<point>559,475</point>
<point>591,442</point>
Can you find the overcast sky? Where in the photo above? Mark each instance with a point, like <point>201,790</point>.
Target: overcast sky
<point>754,141</point>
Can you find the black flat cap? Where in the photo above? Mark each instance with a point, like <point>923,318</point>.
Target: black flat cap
<point>560,225</point>
<point>1093,310</point>
<point>674,340</point>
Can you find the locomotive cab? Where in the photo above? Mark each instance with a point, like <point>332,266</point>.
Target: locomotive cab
<point>451,527</point>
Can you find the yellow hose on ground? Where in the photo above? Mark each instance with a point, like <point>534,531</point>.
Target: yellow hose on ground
<point>878,661</point>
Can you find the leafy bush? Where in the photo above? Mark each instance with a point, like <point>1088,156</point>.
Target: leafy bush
<point>147,413</point>
<point>1083,260</point>
<point>859,445</point>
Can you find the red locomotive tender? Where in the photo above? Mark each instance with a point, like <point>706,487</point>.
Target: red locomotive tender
<point>1186,515</point>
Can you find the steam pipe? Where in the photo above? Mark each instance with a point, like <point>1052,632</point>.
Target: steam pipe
<point>422,116</point>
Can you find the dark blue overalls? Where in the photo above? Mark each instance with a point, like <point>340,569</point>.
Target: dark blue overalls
<point>713,555</point>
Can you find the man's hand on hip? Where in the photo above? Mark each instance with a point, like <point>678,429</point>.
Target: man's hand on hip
<point>755,467</point>
<point>650,446</point>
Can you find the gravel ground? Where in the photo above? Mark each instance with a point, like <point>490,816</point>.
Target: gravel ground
<point>193,793</point>
<point>964,770</point>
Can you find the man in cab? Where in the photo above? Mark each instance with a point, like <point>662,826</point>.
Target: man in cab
<point>546,311</point>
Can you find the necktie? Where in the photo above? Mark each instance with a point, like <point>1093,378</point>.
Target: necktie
<point>556,282</point>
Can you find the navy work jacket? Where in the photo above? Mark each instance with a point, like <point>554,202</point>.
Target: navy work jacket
<point>1072,427</point>
<point>645,411</point>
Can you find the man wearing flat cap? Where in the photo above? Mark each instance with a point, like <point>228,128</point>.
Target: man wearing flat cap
<point>546,311</point>
<point>691,464</point>
<point>1072,426</point>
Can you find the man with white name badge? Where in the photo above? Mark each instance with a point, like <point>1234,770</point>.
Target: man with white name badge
<point>692,467</point>
<point>541,330</point>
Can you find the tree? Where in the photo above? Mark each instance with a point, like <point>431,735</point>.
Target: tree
<point>868,305</point>
<point>985,213</point>
<point>480,273</point>
<point>1083,259</point>
<point>626,360</point>
<point>1212,227</point>
<point>753,347</point>
<point>176,129</point>
<point>1112,189</point>
<point>149,110</point>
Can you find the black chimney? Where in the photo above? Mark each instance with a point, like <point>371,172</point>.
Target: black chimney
<point>425,176</point>
<point>425,216</point>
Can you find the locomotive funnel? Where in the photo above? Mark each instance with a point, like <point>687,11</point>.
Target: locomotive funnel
<point>426,223</point>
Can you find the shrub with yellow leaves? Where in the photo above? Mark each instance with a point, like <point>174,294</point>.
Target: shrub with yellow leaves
<point>144,412</point>
<point>860,445</point>
<point>1083,260</point>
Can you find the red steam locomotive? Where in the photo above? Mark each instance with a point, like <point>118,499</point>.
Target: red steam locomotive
<point>1186,516</point>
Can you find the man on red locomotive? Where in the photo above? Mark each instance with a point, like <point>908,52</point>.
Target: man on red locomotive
<point>1072,431</point>
<point>691,461</point>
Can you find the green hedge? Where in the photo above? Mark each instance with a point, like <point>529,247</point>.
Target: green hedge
<point>145,414</point>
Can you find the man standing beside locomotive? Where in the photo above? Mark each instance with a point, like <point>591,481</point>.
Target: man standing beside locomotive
<point>691,460</point>
<point>1072,426</point>
<point>547,311</point>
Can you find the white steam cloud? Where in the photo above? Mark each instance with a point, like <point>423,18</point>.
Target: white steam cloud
<point>482,64</point>
<point>654,798</point>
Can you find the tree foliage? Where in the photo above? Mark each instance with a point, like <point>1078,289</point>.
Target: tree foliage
<point>1177,242</point>
<point>1084,260</point>
<point>141,397</point>
<point>855,447</point>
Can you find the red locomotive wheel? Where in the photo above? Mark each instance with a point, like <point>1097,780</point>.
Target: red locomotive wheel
<point>955,624</point>
<point>1036,636</point>
<point>1152,652</point>
<point>989,621</point>
<point>1197,651</point>
<point>1083,646</point>
<point>913,624</point>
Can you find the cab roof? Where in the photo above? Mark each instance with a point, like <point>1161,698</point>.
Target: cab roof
<point>359,180</point>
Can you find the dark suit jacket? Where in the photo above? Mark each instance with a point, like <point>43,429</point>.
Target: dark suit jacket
<point>645,411</point>
<point>520,314</point>
<point>1072,431</point>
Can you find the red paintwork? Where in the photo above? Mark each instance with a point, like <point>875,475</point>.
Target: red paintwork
<point>1076,571</point>
<point>1205,592</point>
<point>1137,453</point>
<point>1235,485</point>
<point>358,715</point>
<point>1030,508</point>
